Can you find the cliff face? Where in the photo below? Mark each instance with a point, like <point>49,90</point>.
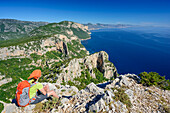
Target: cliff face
<point>77,66</point>
<point>86,83</point>
<point>56,42</point>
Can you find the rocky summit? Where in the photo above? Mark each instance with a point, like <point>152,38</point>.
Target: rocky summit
<point>85,82</point>
<point>122,95</point>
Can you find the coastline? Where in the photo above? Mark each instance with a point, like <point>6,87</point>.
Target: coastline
<point>85,39</point>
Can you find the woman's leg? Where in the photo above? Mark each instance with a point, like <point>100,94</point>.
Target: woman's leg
<point>49,93</point>
<point>46,90</point>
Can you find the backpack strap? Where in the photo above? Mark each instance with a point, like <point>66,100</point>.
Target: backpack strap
<point>32,84</point>
<point>33,98</point>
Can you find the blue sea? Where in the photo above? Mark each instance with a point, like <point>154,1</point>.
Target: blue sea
<point>134,50</point>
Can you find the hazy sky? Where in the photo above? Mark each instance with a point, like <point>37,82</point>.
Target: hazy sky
<point>143,12</point>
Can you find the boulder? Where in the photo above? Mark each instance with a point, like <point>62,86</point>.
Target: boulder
<point>92,88</point>
<point>64,100</point>
<point>129,92</point>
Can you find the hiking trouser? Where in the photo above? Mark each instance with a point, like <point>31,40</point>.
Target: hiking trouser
<point>39,97</point>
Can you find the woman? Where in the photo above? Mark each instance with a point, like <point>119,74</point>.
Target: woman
<point>37,92</point>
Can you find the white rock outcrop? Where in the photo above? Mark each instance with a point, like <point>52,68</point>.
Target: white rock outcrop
<point>95,99</point>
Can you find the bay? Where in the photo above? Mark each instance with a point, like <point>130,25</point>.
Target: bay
<point>133,51</point>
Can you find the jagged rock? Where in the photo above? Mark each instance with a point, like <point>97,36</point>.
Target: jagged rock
<point>62,46</point>
<point>98,60</point>
<point>92,98</point>
<point>121,108</point>
<point>92,88</point>
<point>74,89</point>
<point>98,106</point>
<point>113,107</point>
<point>64,100</point>
<point>110,94</point>
<point>129,92</point>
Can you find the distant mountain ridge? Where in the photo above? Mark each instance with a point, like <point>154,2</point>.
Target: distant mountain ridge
<point>104,26</point>
<point>11,28</point>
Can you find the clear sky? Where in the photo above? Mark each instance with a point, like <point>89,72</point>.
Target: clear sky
<point>143,12</point>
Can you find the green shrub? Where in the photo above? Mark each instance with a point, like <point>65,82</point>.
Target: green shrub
<point>35,57</point>
<point>153,78</point>
<point>86,79</point>
<point>71,83</point>
<point>63,90</point>
<point>66,71</point>
<point>47,106</point>
<point>99,75</point>
<point>122,97</point>
<point>1,107</point>
<point>14,42</point>
<point>80,33</point>
<point>63,83</point>
<point>53,55</point>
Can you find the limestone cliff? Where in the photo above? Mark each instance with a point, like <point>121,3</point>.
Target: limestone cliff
<point>86,82</point>
<point>97,60</point>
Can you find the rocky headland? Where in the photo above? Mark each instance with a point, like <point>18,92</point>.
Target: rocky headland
<point>86,82</point>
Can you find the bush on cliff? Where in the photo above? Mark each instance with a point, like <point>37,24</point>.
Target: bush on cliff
<point>122,97</point>
<point>153,78</point>
<point>86,79</point>
<point>1,107</point>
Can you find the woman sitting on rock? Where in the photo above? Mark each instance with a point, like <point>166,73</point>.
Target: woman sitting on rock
<point>37,91</point>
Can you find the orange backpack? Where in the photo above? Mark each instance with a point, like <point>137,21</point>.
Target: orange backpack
<point>22,93</point>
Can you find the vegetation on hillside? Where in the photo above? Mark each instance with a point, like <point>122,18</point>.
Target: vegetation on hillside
<point>86,79</point>
<point>80,33</point>
<point>153,78</point>
<point>11,28</point>
<point>59,28</point>
<point>17,68</point>
<point>14,68</point>
<point>121,96</point>
<point>15,42</point>
<point>1,107</point>
<point>45,32</point>
<point>47,106</point>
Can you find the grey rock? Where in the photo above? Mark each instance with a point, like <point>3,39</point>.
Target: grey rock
<point>75,89</point>
<point>124,81</point>
<point>64,100</point>
<point>107,108</point>
<point>92,88</point>
<point>10,108</point>
<point>129,92</point>
<point>109,93</point>
<point>113,107</point>
<point>29,108</point>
